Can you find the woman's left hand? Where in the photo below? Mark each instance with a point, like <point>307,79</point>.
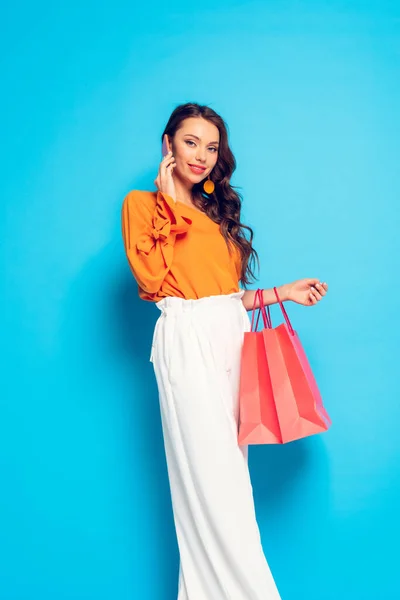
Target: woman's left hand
<point>306,291</point>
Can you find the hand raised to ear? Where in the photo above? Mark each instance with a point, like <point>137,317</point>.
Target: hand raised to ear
<point>164,181</point>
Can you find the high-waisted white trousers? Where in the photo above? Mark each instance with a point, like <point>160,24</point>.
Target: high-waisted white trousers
<point>196,354</point>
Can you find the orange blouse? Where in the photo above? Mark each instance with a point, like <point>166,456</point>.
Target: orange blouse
<point>176,250</point>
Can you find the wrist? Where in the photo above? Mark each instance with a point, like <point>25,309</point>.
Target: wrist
<point>283,292</point>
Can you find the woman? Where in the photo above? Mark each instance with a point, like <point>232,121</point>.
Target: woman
<point>188,252</point>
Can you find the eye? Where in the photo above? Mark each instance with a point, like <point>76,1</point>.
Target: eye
<point>190,142</point>
<point>213,148</point>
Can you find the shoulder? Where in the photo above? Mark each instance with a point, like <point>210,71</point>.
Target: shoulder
<point>140,197</point>
<point>140,201</point>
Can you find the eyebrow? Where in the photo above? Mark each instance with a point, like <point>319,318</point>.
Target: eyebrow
<point>197,138</point>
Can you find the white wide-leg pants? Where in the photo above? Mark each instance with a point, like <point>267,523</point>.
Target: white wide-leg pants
<point>196,354</point>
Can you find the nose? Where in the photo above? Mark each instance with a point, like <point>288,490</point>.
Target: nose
<point>201,154</point>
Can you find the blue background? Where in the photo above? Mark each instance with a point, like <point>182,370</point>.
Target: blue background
<point>311,93</point>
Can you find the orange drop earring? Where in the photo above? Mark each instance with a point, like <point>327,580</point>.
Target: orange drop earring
<point>208,186</point>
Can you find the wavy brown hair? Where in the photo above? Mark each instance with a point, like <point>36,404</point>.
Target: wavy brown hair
<point>223,206</point>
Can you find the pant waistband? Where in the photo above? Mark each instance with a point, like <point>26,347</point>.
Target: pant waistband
<point>183,304</point>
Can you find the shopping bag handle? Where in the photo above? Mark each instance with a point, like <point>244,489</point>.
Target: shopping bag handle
<point>288,323</point>
<point>265,312</point>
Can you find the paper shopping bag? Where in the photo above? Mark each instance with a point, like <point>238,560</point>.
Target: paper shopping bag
<point>279,400</point>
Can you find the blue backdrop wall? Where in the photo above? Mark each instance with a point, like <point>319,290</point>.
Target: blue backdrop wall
<point>311,92</point>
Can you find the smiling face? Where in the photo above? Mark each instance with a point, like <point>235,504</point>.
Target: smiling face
<point>195,147</point>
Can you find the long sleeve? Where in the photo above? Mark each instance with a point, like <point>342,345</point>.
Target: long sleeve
<point>149,235</point>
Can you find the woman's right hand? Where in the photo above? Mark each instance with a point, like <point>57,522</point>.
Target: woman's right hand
<point>164,180</point>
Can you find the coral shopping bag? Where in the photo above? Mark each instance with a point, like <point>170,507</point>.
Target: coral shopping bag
<point>279,400</point>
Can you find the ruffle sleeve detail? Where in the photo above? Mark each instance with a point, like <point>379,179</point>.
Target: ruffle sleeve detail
<point>165,221</point>
<point>149,233</point>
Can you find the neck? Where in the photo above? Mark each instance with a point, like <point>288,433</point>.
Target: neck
<point>183,191</point>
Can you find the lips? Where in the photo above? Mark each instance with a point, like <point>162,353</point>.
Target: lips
<point>197,169</point>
